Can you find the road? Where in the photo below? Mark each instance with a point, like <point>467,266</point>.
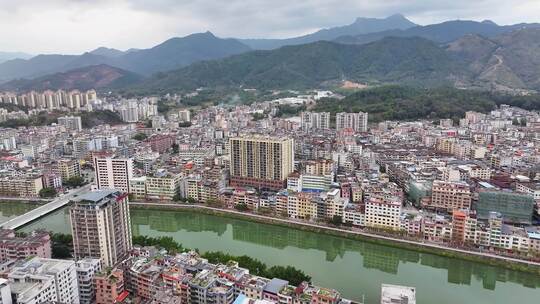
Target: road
<point>354,232</point>
<point>34,214</point>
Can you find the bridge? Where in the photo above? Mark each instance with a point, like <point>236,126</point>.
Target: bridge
<point>34,214</point>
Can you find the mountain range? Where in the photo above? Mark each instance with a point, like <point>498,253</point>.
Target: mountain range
<point>465,54</point>
<point>5,56</point>
<point>360,26</point>
<point>171,54</point>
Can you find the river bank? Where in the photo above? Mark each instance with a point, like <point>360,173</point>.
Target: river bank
<point>484,258</point>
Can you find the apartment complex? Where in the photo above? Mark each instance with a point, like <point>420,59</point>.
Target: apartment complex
<point>71,123</point>
<point>38,243</point>
<point>355,121</point>
<point>113,172</point>
<point>383,213</point>
<point>86,273</point>
<point>42,280</point>
<point>68,168</point>
<point>261,161</point>
<point>450,195</point>
<point>20,185</point>
<point>100,225</point>
<point>50,99</point>
<point>160,184</point>
<point>314,120</point>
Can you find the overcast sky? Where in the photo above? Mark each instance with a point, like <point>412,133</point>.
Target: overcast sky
<point>75,26</point>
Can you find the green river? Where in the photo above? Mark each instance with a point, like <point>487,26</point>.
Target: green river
<point>354,268</point>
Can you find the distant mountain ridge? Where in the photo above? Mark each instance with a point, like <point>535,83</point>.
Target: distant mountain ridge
<point>5,56</point>
<point>464,54</point>
<point>171,54</point>
<point>442,32</point>
<point>359,26</point>
<point>85,78</point>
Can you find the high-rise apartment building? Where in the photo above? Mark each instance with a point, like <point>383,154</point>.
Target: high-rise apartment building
<point>261,161</point>
<point>355,121</point>
<point>100,226</point>
<point>312,120</point>
<point>113,173</point>
<point>72,123</point>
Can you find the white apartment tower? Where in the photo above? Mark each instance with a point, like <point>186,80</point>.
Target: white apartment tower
<point>355,121</point>
<point>72,123</point>
<point>312,120</point>
<point>113,173</point>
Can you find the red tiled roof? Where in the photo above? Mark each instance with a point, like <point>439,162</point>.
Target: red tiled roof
<point>122,296</point>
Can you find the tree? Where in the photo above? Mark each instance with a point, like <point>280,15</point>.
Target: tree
<point>177,198</point>
<point>74,182</point>
<point>61,246</point>
<point>289,273</point>
<point>241,207</point>
<point>47,192</point>
<point>336,220</point>
<point>139,136</point>
<point>175,148</point>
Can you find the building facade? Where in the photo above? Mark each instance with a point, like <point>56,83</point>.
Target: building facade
<point>100,225</point>
<point>260,161</point>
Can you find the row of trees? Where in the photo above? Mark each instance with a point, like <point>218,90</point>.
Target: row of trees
<point>256,267</point>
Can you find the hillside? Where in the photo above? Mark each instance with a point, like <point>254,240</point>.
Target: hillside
<point>358,27</point>
<point>171,54</point>
<point>91,77</point>
<point>506,62</point>
<point>401,60</point>
<point>406,103</point>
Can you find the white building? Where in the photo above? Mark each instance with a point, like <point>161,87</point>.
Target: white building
<point>113,173</point>
<point>71,123</point>
<point>383,213</point>
<point>356,121</point>
<point>184,115</point>
<point>5,292</point>
<point>86,271</point>
<point>42,280</point>
<point>312,120</point>
<point>391,294</point>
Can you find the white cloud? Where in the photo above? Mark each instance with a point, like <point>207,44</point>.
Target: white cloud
<point>74,26</point>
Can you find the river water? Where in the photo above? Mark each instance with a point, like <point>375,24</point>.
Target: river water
<point>355,268</point>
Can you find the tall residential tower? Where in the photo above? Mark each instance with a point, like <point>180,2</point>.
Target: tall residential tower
<point>100,226</point>
<point>261,161</point>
